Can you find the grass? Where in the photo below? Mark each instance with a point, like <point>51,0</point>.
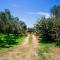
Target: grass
<point>44,49</point>
<point>19,39</point>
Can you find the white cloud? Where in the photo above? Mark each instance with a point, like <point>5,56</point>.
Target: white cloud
<point>40,13</point>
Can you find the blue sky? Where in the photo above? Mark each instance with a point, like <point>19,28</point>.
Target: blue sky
<point>29,10</point>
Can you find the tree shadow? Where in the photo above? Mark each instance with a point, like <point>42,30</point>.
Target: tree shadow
<point>46,40</point>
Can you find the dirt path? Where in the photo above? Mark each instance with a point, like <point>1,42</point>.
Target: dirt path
<point>25,51</point>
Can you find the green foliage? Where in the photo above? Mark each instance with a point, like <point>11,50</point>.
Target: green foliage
<point>43,26</point>
<point>49,28</point>
<point>10,24</point>
<point>11,29</point>
<point>30,30</point>
<point>7,41</point>
<point>55,10</point>
<point>10,40</point>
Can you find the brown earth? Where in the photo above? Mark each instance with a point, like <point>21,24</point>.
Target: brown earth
<point>28,51</point>
<point>24,51</point>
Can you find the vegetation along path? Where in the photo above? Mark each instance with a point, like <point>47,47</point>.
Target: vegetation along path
<point>26,51</point>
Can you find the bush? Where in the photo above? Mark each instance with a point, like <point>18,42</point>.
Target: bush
<point>7,41</point>
<point>11,39</point>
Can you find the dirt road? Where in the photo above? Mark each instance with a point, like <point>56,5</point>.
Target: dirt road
<point>25,51</point>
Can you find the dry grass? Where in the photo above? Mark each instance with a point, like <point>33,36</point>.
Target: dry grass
<point>48,52</point>
<point>25,51</point>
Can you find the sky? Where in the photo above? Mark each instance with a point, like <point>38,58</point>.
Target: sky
<point>29,10</point>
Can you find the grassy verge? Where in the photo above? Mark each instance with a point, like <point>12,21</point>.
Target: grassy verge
<point>19,40</point>
<point>45,48</point>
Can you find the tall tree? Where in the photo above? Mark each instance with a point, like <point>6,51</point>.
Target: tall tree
<point>55,10</point>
